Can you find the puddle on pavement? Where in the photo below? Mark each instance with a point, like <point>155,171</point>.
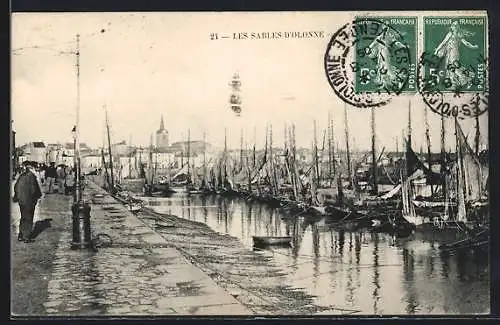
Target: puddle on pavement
<point>114,216</point>
<point>189,288</point>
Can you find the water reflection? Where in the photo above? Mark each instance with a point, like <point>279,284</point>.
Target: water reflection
<point>369,272</point>
<point>408,273</point>
<point>376,276</point>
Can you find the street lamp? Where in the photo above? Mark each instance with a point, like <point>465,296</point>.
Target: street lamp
<point>80,210</point>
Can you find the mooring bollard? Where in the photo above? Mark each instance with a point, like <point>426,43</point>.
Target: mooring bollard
<point>76,241</point>
<point>87,234</point>
<point>81,225</point>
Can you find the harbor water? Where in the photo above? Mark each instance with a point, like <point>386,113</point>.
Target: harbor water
<point>371,273</point>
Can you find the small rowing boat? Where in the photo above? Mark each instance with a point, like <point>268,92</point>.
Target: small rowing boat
<point>269,240</point>
<point>134,206</point>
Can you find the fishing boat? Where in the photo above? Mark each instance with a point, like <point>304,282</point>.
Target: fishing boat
<point>134,206</point>
<point>478,240</point>
<point>462,186</point>
<point>195,191</point>
<point>176,188</point>
<point>181,181</point>
<point>161,184</point>
<point>272,241</point>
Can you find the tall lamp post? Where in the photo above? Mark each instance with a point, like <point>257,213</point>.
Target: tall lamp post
<point>80,210</point>
<point>76,193</point>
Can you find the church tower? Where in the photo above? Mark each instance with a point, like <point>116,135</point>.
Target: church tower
<point>162,136</point>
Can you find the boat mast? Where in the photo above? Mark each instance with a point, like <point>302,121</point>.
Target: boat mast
<point>139,163</point>
<point>188,153</point>
<point>156,161</point>
<point>150,169</point>
<point>330,170</point>
<point>286,153</point>
<point>477,138</point>
<point>285,138</point>
<point>204,159</point>
<point>130,156</point>
<point>112,190</point>
<point>443,157</point>
<point>428,140</point>
<point>293,164</point>
<point>316,159</point>
<point>374,158</point>
<point>409,144</point>
<point>254,145</point>
<point>314,178</point>
<point>346,128</point>
<point>249,172</point>
<point>241,151</point>
<point>331,149</point>
<point>461,184</point>
<point>225,156</point>
<point>169,172</point>
<point>271,161</point>
<point>406,188</point>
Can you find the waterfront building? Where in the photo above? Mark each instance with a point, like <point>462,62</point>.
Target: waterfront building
<point>34,151</point>
<point>90,161</point>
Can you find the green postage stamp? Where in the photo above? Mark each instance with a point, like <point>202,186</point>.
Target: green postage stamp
<point>454,54</point>
<point>388,61</point>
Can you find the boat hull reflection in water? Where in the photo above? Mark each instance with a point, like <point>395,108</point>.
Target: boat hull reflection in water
<point>371,273</point>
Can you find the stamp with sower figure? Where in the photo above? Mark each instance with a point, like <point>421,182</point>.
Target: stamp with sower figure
<point>370,60</point>
<point>453,66</point>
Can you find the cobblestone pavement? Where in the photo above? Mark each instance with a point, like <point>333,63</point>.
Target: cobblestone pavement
<point>137,275</point>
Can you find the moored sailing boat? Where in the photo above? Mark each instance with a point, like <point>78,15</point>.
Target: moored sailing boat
<point>465,201</point>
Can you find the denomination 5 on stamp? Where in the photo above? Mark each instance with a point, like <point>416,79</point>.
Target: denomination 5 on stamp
<point>389,61</point>
<point>455,50</point>
<point>367,62</point>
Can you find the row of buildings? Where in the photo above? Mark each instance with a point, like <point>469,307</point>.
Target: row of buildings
<point>163,154</point>
<point>174,154</point>
<point>64,153</point>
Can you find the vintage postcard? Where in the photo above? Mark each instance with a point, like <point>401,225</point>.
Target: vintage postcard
<point>250,163</point>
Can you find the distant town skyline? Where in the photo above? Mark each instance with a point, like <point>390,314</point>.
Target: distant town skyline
<point>145,65</point>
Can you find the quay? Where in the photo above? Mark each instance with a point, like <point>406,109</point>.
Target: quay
<point>138,274</point>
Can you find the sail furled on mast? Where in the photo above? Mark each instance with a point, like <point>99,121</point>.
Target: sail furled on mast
<point>413,163</point>
<point>470,166</point>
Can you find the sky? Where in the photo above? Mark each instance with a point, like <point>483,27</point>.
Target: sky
<point>145,65</point>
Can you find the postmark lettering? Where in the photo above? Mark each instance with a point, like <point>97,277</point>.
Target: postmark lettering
<point>453,66</point>
<point>367,62</point>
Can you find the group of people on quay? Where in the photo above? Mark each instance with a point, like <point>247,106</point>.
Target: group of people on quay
<point>32,181</point>
<point>57,179</point>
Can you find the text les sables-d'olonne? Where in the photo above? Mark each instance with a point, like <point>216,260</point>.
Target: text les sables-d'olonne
<point>268,35</point>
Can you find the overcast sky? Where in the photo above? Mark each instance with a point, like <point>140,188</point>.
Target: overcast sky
<point>143,65</point>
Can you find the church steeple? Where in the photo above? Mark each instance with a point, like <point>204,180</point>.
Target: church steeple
<point>162,124</point>
<point>162,135</point>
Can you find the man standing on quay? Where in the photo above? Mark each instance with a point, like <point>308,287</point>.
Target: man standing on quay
<point>51,175</point>
<point>27,192</point>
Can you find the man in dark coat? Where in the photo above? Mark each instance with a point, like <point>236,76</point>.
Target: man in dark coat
<point>51,175</point>
<point>27,192</point>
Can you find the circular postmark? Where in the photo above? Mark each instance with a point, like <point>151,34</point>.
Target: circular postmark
<point>367,62</point>
<point>451,88</point>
